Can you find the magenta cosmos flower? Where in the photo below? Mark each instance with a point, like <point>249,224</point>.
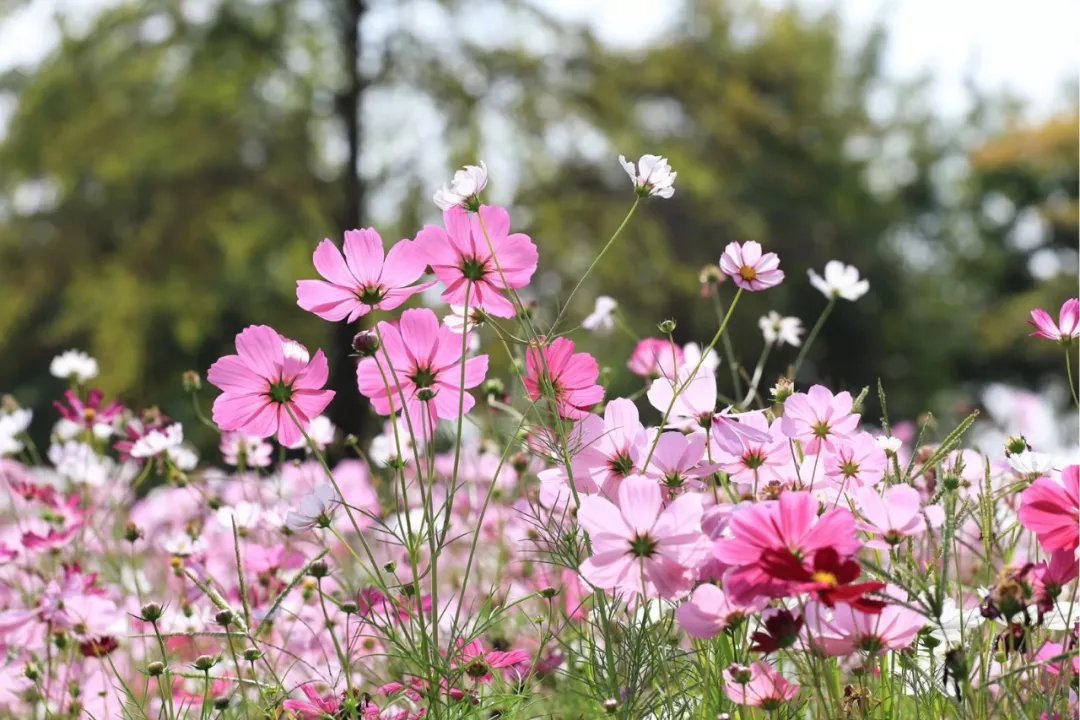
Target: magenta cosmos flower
<point>640,546</point>
<point>749,268</point>
<point>556,371</point>
<point>1051,510</point>
<point>269,378</point>
<point>653,357</point>
<point>461,257</point>
<point>419,367</point>
<point>363,279</point>
<point>790,523</point>
<point>1067,328</point>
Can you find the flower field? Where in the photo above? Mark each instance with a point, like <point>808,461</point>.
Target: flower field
<point>515,541</point>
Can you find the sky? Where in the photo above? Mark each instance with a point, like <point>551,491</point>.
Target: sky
<point>1028,48</point>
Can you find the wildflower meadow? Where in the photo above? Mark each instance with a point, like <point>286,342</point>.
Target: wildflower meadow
<point>516,541</point>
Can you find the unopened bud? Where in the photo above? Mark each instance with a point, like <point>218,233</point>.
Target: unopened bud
<point>666,326</point>
<point>782,390</point>
<point>251,654</point>
<point>151,612</point>
<point>132,532</point>
<point>224,617</point>
<point>319,569</point>
<point>191,381</point>
<point>203,663</point>
<point>155,668</point>
<point>365,343</point>
<point>350,608</point>
<point>611,705</point>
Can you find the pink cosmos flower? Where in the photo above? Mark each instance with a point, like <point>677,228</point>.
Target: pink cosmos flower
<point>641,546</point>
<point>858,462</point>
<point>556,370</point>
<point>617,446</point>
<point>844,629</point>
<point>693,406</point>
<point>478,662</point>
<point>656,357</point>
<point>758,686</point>
<point>419,365</point>
<point>730,433</point>
<point>818,418</point>
<point>676,461</point>
<point>895,514</point>
<point>1067,328</point>
<point>316,706</point>
<point>363,279</point>
<point>756,460</point>
<point>269,378</point>
<point>790,523</point>
<point>750,269</point>
<point>1051,510</point>
<point>461,256</point>
<point>709,611</point>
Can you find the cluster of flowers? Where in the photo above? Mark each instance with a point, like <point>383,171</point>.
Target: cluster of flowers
<point>491,547</point>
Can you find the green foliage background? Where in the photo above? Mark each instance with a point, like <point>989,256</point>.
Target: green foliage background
<point>165,175</point>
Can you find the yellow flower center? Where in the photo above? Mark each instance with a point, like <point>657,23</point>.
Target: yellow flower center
<point>825,578</point>
<point>748,273</point>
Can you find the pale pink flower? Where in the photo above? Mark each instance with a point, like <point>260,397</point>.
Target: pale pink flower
<point>363,279</point>
<point>758,686</point>
<point>269,386</point>
<point>617,446</point>
<point>695,403</point>
<point>709,611</point>
<point>730,433</point>
<point>1051,510</point>
<point>655,357</point>
<point>555,371</point>
<point>418,366</point>
<point>476,266</point>
<point>253,452</point>
<point>818,418</point>
<point>856,462</point>
<point>1067,327</point>
<point>757,460</point>
<point>316,706</point>
<point>750,269</point>
<point>790,523</point>
<point>844,629</point>
<point>895,514</point>
<point>676,461</point>
<point>641,546</point>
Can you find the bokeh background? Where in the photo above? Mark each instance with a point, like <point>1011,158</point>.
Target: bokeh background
<point>167,167</point>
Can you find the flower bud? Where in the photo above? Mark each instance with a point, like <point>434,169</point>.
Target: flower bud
<point>349,608</point>
<point>251,655</point>
<point>191,381</point>
<point>319,569</point>
<point>782,390</point>
<point>221,703</point>
<point>155,668</point>
<point>151,612</point>
<point>666,326</point>
<point>224,617</point>
<point>365,343</point>
<point>132,533</point>
<point>203,663</point>
<point>611,705</point>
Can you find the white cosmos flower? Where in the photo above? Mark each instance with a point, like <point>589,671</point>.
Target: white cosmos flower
<point>464,189</point>
<point>692,354</point>
<point>840,281</point>
<point>652,176</point>
<point>79,463</point>
<point>891,445</point>
<point>156,442</point>
<point>320,430</point>
<point>1030,463</point>
<point>74,364</point>
<point>781,330</point>
<point>315,509</point>
<point>602,319</point>
<point>13,424</point>
<point>182,545</point>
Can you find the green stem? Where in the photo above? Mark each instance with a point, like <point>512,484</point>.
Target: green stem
<point>1069,372</point>
<point>593,264</point>
<point>812,337</point>
<point>689,378</point>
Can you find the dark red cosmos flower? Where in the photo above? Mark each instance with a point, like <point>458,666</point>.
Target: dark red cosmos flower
<point>781,631</point>
<point>830,579</point>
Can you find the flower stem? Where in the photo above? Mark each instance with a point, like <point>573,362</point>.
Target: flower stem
<point>811,337</point>
<point>595,262</point>
<point>1069,373</point>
